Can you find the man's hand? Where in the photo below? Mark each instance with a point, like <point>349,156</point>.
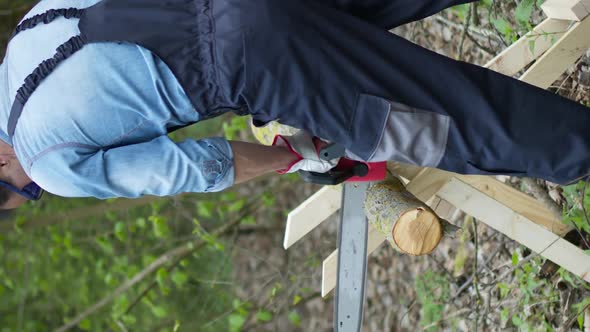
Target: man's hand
<point>306,148</point>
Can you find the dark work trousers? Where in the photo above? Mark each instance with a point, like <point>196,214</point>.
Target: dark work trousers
<point>332,68</point>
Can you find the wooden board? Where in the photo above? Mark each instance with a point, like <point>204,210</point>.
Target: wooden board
<point>330,265</point>
<point>311,213</point>
<point>515,199</point>
<point>528,48</point>
<point>518,201</point>
<point>443,209</point>
<point>516,226</point>
<point>575,10</point>
<point>560,56</point>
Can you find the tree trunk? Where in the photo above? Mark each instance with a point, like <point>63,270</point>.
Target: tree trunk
<point>409,225</point>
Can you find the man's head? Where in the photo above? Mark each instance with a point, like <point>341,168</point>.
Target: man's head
<point>11,173</point>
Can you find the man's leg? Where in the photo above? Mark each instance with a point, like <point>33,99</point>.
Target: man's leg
<point>388,14</point>
<point>384,98</point>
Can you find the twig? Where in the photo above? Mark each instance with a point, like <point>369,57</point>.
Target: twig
<point>585,212</point>
<point>542,196</point>
<point>22,304</point>
<point>468,282</point>
<point>225,314</point>
<point>464,34</point>
<point>475,14</point>
<point>478,32</point>
<point>486,49</point>
<point>121,326</point>
<point>521,263</point>
<point>475,278</point>
<point>453,315</point>
<point>573,318</point>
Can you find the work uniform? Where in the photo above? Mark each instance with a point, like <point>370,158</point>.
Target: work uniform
<point>333,69</point>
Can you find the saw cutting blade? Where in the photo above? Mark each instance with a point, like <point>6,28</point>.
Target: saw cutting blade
<point>352,259</point>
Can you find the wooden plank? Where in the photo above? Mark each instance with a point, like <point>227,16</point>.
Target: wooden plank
<point>560,56</point>
<point>405,171</point>
<point>515,199</point>
<point>518,201</point>
<point>330,265</point>
<point>575,10</point>
<point>311,213</point>
<point>443,208</point>
<point>518,55</point>
<point>517,227</point>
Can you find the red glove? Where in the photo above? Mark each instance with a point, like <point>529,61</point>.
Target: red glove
<point>306,148</point>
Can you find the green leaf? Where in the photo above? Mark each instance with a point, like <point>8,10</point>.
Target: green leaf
<point>504,289</point>
<point>296,299</point>
<point>532,45</point>
<point>176,326</point>
<point>236,206</point>
<point>581,321</point>
<point>161,277</point>
<point>105,245</point>
<point>159,312</point>
<point>160,226</point>
<point>248,220</point>
<point>236,322</point>
<point>516,321</point>
<point>514,258</point>
<point>504,315</point>
<point>524,11</point>
<point>129,319</point>
<point>140,222</point>
<point>121,231</point>
<point>179,278</point>
<point>85,325</point>
<point>264,316</point>
<point>120,306</point>
<point>269,199</point>
<point>460,10</point>
<point>502,25</point>
<point>294,318</point>
<point>204,209</point>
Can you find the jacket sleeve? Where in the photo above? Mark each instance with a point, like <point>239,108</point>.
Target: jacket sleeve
<point>159,167</point>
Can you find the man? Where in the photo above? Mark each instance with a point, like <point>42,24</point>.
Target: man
<point>88,94</point>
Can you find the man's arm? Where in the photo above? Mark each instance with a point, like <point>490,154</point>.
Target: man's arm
<point>159,167</point>
<point>252,160</point>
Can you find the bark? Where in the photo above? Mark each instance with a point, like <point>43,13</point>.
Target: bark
<point>408,224</point>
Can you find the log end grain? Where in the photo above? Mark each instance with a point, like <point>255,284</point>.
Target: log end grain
<point>417,232</point>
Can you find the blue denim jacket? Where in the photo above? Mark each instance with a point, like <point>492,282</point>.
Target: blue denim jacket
<point>97,126</point>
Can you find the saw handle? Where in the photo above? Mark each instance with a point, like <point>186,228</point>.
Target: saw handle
<point>347,170</point>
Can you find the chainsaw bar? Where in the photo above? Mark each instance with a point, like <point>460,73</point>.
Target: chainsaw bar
<point>352,259</point>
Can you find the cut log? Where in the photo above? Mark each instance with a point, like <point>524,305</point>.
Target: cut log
<point>265,135</point>
<point>408,224</point>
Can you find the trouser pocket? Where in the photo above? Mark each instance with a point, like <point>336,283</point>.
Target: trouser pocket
<point>409,135</point>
